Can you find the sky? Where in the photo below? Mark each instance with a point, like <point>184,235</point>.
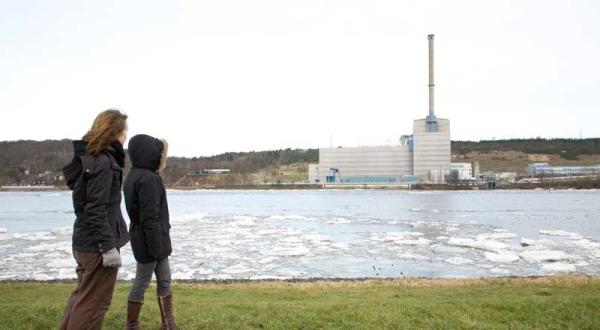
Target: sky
<point>218,76</point>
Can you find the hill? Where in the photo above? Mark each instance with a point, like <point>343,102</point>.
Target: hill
<point>39,162</point>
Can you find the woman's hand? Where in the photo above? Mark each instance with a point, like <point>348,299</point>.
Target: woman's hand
<point>112,258</point>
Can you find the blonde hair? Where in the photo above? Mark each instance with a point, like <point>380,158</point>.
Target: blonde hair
<point>107,127</point>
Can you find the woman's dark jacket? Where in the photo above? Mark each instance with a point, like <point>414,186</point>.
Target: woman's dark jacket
<point>96,184</point>
<point>146,200</point>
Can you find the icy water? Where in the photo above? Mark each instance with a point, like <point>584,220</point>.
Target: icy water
<point>304,234</point>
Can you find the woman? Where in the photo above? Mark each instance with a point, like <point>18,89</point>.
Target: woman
<point>146,202</point>
<point>95,176</point>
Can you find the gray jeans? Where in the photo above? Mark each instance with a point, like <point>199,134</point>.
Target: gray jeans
<point>143,277</point>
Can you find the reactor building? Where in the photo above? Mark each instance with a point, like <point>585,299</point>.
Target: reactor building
<point>423,157</point>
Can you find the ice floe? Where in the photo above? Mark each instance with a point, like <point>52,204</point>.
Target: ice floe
<point>237,269</point>
<point>481,244</point>
<point>241,220</point>
<point>459,261</point>
<point>544,255</point>
<point>290,251</point>
<point>558,267</point>
<point>35,236</point>
<point>536,242</point>
<point>413,256</point>
<point>496,236</point>
<point>62,263</point>
<point>561,233</point>
<point>405,238</point>
<point>336,221</point>
<point>501,256</point>
<point>287,217</point>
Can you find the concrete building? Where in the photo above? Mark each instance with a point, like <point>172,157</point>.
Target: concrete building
<point>462,171</point>
<point>423,156</point>
<point>545,170</point>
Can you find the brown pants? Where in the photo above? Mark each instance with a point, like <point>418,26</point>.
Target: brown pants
<point>92,296</point>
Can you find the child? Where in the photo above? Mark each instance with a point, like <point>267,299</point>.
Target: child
<point>146,202</point>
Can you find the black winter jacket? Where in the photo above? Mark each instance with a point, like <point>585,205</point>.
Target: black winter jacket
<point>146,200</point>
<point>96,184</point>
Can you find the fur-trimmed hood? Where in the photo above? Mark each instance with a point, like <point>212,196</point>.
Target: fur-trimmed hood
<point>163,155</point>
<point>148,152</point>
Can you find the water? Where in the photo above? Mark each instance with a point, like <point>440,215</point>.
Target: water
<point>225,234</point>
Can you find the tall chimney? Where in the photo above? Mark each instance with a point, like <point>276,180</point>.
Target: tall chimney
<point>431,118</point>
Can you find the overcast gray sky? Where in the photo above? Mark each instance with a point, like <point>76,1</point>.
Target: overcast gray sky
<point>216,76</point>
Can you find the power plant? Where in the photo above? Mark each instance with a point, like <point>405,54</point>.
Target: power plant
<point>423,157</point>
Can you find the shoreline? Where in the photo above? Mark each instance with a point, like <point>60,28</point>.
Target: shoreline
<point>571,185</point>
<point>422,281</point>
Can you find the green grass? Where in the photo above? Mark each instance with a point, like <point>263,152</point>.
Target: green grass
<point>571,302</point>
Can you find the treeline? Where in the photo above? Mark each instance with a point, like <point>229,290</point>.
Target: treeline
<point>567,148</point>
<point>26,161</point>
<point>30,162</point>
<point>238,162</point>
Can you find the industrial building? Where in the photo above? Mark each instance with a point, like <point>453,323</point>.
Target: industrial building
<point>423,156</point>
<point>544,170</point>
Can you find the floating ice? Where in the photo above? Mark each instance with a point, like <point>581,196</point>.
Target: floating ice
<point>586,243</point>
<point>341,245</point>
<point>449,249</point>
<point>537,242</point>
<point>501,256</point>
<point>499,271</point>
<point>36,236</point>
<point>204,271</point>
<point>286,217</point>
<point>24,255</point>
<point>182,272</point>
<point>62,230</point>
<point>544,255</point>
<point>41,277</point>
<point>66,273</point>
<point>406,238</point>
<point>459,261</point>
<point>481,244</point>
<point>242,220</point>
<point>292,251</point>
<point>269,231</point>
<point>237,269</point>
<point>496,236</point>
<point>335,221</point>
<point>412,256</point>
<point>188,217</point>
<point>315,237</point>
<point>561,233</point>
<point>63,246</point>
<point>558,267</point>
<point>62,263</point>
<point>279,240</point>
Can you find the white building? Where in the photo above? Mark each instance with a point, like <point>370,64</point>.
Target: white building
<point>464,171</point>
<point>423,156</point>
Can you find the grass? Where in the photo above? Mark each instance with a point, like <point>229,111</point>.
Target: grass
<point>516,303</point>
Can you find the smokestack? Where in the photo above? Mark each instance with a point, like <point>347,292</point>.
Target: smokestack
<point>431,118</point>
<point>431,84</point>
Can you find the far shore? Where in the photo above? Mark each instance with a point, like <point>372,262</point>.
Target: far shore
<point>576,184</point>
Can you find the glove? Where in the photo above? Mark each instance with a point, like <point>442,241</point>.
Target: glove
<point>111,258</point>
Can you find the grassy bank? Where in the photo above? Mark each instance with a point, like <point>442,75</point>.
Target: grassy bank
<point>547,302</point>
